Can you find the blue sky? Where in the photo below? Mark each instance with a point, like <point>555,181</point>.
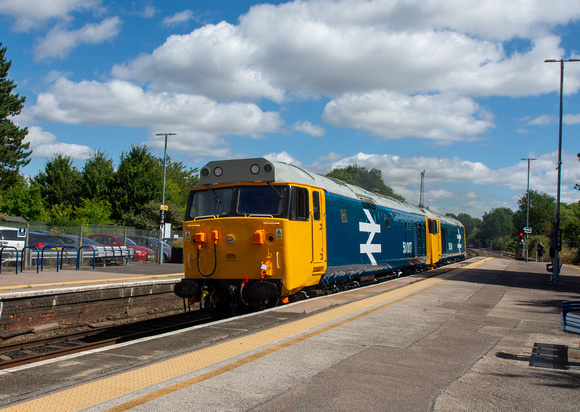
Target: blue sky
<point>456,88</point>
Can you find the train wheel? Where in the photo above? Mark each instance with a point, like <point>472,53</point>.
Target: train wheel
<point>210,303</point>
<point>266,303</point>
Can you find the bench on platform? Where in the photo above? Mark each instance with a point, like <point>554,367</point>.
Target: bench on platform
<point>571,316</point>
<point>571,322</point>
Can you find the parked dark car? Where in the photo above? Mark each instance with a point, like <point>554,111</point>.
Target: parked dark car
<point>102,253</point>
<point>71,240</point>
<point>141,253</point>
<point>43,240</point>
<point>152,243</point>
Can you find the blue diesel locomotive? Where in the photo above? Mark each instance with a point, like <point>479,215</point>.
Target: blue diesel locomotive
<point>259,232</point>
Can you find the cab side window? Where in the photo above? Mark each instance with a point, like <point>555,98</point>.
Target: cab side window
<point>299,204</point>
<point>433,227</point>
<point>316,205</point>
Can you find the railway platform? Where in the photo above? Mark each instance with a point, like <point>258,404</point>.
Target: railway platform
<point>30,280</point>
<point>31,301</point>
<point>482,336</point>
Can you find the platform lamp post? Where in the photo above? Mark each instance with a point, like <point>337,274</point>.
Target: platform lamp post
<point>163,206</point>
<point>556,266</point>
<point>528,205</point>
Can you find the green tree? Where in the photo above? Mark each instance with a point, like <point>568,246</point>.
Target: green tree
<point>94,212</point>
<point>542,211</point>
<point>470,223</point>
<point>62,215</point>
<point>472,226</point>
<point>13,152</point>
<point>98,176</point>
<point>23,199</point>
<point>497,228</point>
<point>139,180</point>
<point>570,224</point>
<point>60,183</point>
<point>148,217</point>
<point>179,179</point>
<point>370,180</point>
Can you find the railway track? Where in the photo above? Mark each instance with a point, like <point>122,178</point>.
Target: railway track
<point>491,253</point>
<point>26,352</point>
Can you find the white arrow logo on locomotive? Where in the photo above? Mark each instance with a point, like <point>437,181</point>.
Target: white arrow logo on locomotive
<point>459,240</point>
<point>371,228</point>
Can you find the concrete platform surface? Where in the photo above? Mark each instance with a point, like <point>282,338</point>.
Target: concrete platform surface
<point>49,278</point>
<point>482,337</point>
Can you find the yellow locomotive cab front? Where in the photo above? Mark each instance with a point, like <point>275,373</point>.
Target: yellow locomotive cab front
<point>256,241</point>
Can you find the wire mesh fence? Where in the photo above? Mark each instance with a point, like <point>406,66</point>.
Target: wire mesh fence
<point>45,244</point>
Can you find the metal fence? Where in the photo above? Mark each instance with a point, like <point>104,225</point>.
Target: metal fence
<point>86,231</point>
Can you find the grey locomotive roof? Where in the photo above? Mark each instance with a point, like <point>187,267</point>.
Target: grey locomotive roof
<point>238,170</point>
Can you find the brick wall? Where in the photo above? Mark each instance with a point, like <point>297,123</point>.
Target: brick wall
<point>90,306</point>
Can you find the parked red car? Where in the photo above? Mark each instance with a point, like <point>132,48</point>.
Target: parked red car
<point>141,253</point>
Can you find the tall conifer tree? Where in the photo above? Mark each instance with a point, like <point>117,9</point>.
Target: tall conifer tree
<point>13,152</point>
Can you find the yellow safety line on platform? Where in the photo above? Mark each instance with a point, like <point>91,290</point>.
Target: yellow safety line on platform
<point>76,282</point>
<point>116,386</point>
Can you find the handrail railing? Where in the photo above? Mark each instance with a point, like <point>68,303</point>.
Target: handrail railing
<point>37,257</point>
<point>2,250</point>
<point>42,257</point>
<point>62,254</point>
<point>81,256</point>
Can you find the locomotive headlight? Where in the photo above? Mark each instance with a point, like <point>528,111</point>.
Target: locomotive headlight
<point>255,169</point>
<point>230,239</point>
<point>205,172</point>
<point>218,171</point>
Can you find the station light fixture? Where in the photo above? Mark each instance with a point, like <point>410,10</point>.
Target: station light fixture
<point>163,207</point>
<point>556,267</point>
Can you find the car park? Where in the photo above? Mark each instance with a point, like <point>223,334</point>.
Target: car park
<point>140,253</point>
<point>152,243</point>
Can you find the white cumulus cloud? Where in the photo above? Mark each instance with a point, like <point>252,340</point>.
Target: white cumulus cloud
<point>28,14</point>
<point>45,144</point>
<point>178,18</point>
<point>199,120</point>
<point>308,128</point>
<point>59,43</point>
<point>389,115</point>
